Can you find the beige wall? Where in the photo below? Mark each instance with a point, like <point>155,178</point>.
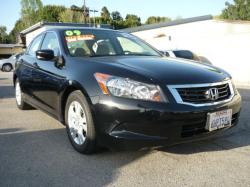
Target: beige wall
<point>7,51</point>
<point>225,44</point>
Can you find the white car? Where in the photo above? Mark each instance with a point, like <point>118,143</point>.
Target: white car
<point>8,64</point>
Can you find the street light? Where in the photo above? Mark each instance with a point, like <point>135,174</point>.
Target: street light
<point>94,11</point>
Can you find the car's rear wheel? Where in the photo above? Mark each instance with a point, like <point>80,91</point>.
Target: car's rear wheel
<point>7,67</point>
<point>19,97</point>
<point>79,123</point>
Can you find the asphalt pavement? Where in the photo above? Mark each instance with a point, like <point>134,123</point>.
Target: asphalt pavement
<point>35,151</point>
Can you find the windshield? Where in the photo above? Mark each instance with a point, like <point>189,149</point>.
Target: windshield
<point>94,43</point>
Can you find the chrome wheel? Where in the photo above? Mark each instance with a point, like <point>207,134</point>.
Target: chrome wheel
<point>18,94</point>
<point>77,123</point>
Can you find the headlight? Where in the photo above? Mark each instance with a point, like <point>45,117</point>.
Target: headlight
<point>127,88</point>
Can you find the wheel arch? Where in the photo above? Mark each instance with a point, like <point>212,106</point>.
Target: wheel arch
<point>14,79</point>
<point>64,96</point>
<point>7,63</point>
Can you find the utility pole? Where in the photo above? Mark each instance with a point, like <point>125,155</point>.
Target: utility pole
<point>84,11</point>
<point>94,11</point>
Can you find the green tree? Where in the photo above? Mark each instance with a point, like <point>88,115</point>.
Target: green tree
<point>51,13</point>
<point>3,35</point>
<point>105,15</point>
<point>117,20</point>
<point>116,16</point>
<point>30,10</point>
<point>132,20</point>
<point>154,19</point>
<point>71,16</point>
<point>239,10</point>
<point>80,10</point>
<point>19,26</point>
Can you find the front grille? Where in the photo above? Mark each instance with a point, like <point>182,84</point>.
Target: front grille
<point>203,94</point>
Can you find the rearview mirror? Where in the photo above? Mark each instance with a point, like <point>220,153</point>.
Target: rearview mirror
<point>45,54</point>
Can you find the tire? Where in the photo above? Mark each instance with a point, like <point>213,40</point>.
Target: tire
<point>19,97</point>
<point>7,67</point>
<point>79,123</point>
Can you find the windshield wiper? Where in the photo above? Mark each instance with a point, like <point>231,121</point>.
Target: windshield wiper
<point>131,54</point>
<point>139,54</point>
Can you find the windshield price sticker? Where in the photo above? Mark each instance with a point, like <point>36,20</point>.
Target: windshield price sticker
<point>73,33</point>
<point>80,38</point>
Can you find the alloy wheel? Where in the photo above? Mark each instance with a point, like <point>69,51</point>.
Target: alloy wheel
<point>77,123</point>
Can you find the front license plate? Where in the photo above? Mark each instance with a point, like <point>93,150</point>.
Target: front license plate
<point>219,120</point>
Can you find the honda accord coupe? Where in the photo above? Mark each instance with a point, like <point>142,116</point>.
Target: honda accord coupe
<point>111,89</point>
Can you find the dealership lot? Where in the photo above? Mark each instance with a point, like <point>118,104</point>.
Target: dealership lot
<point>34,150</point>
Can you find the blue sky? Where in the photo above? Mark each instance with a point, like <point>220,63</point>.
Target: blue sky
<point>10,9</point>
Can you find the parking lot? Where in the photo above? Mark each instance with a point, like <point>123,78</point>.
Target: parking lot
<point>35,151</point>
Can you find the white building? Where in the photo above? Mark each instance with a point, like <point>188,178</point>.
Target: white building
<point>225,43</point>
<point>27,35</point>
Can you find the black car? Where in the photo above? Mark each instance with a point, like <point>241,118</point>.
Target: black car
<point>111,89</point>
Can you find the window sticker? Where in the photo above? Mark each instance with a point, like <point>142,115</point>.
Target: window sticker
<point>80,38</point>
<point>86,37</point>
<point>73,33</point>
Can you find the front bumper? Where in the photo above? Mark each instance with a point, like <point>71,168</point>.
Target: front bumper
<point>131,124</point>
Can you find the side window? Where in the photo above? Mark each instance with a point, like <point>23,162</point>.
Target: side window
<point>35,46</point>
<point>50,42</point>
<point>103,47</point>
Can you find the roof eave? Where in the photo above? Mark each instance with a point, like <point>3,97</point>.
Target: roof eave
<point>168,24</point>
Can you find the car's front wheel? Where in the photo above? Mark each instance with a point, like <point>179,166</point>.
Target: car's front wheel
<point>79,123</point>
<point>7,67</point>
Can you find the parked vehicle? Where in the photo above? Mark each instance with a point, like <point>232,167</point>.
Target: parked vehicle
<point>186,54</point>
<point>111,89</point>
<point>7,65</point>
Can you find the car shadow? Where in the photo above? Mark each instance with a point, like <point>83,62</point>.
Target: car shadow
<point>7,92</point>
<point>46,158</point>
<point>10,130</point>
<point>227,141</point>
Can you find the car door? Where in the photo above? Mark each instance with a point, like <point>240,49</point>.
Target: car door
<point>27,63</point>
<point>48,77</point>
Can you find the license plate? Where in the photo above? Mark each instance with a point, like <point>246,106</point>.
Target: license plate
<point>219,120</point>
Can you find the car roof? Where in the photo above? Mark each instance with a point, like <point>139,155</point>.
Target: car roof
<point>80,28</point>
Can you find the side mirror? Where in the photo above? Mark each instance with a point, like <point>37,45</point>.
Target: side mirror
<point>46,55</point>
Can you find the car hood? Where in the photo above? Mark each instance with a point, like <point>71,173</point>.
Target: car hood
<point>170,71</point>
